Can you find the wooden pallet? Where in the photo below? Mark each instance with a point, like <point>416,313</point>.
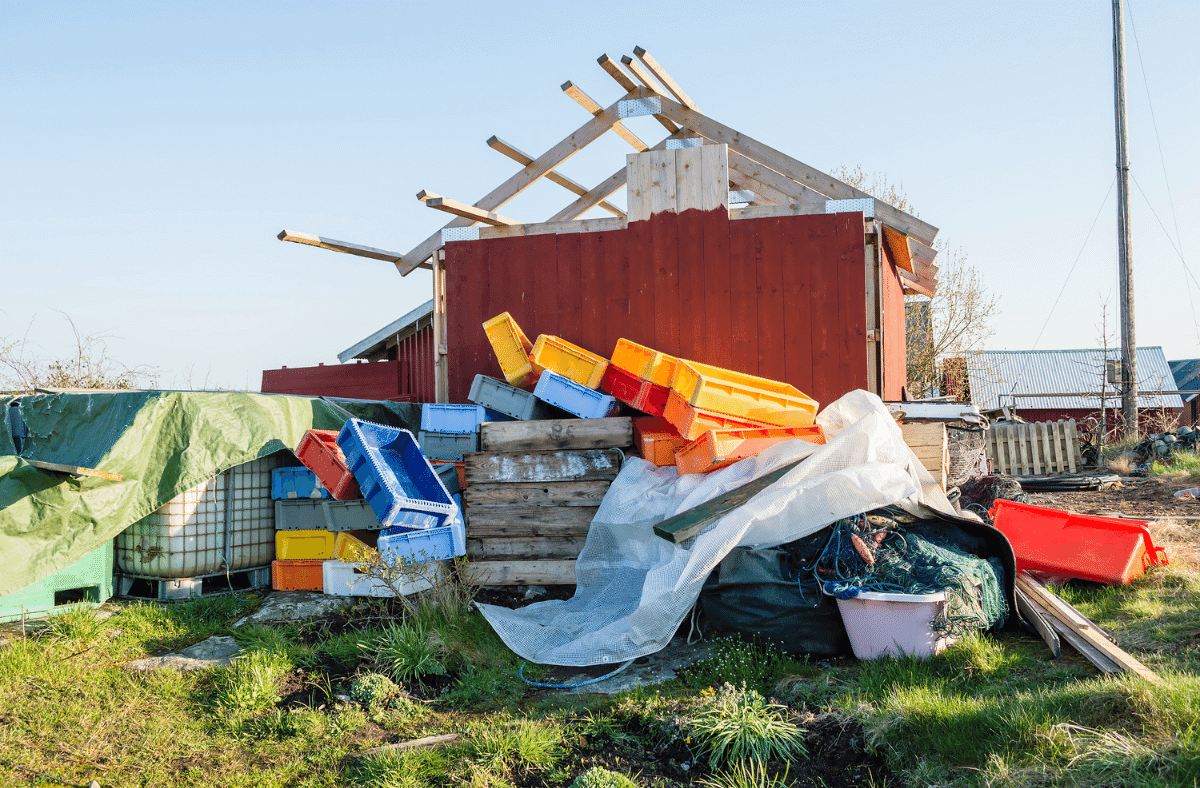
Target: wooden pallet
<point>1034,448</point>
<point>928,442</point>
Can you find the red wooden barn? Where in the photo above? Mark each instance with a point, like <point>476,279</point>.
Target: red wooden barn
<point>729,252</point>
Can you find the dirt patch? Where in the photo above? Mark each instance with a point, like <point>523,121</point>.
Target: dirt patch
<point>1151,498</point>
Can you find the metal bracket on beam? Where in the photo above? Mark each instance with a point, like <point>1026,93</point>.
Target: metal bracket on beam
<point>741,196</point>
<point>684,142</point>
<point>460,234</point>
<point>866,205</point>
<point>636,108</point>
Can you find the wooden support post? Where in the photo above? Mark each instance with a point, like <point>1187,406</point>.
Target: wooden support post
<point>441,354</point>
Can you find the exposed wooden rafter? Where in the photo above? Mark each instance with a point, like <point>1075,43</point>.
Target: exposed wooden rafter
<point>524,159</point>
<point>586,101</point>
<point>457,208</point>
<point>344,247</point>
<point>662,76</point>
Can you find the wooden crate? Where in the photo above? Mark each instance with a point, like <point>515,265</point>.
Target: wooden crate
<point>928,442</point>
<point>1034,448</point>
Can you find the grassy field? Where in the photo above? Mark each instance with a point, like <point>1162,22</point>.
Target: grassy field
<point>991,711</point>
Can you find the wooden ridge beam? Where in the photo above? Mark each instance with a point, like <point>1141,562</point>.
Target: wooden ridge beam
<point>662,76</point>
<point>343,246</point>
<point>519,182</point>
<point>586,101</point>
<point>798,171</point>
<point>457,208</point>
<point>524,159</point>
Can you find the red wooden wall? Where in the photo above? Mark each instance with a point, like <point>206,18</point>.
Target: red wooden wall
<point>779,297</point>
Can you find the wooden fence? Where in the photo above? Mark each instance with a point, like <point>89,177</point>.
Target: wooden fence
<point>1034,448</point>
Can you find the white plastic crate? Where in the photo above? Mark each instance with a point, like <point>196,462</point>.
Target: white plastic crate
<point>342,578</point>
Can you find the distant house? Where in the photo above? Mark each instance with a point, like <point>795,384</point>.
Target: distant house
<point>1071,384</point>
<point>1187,378</point>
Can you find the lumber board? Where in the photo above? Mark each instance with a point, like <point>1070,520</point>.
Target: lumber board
<point>918,284</point>
<point>412,744</point>
<point>345,247</point>
<point>524,159</point>
<point>75,470</point>
<point>648,81</point>
<point>566,148</point>
<point>491,519</point>
<point>535,494</point>
<point>662,76</point>
<point>602,224</point>
<point>526,547</point>
<point>1071,619</point>
<point>781,209</point>
<point>1038,619</point>
<point>522,573</point>
<point>613,70</point>
<point>586,101</point>
<point>775,183</point>
<point>796,170</point>
<point>714,169</point>
<point>457,208</point>
<point>547,466</point>
<point>687,524</point>
<point>689,178</point>
<point>897,243</point>
<point>553,434</point>
<point>928,442</point>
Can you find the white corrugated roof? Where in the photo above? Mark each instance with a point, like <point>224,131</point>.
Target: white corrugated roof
<point>366,345</point>
<point>998,374</point>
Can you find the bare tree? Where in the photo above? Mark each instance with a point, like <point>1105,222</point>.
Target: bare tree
<point>89,366</point>
<point>960,315</point>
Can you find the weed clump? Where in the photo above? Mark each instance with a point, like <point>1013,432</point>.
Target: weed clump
<point>735,724</point>
<point>408,652</point>
<point>373,688</point>
<point>599,777</point>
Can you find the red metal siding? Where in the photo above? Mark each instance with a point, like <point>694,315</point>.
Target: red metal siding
<point>415,355</point>
<point>359,381</point>
<point>780,297</point>
<point>895,350</point>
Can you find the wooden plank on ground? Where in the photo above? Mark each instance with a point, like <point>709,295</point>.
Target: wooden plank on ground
<point>412,744</point>
<point>527,547</point>
<point>1038,619</point>
<point>75,470</point>
<point>551,494</point>
<point>552,434</point>
<point>687,524</point>
<point>547,466</point>
<point>522,573</point>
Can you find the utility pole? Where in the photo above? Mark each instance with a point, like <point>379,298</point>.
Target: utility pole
<point>1129,390</point>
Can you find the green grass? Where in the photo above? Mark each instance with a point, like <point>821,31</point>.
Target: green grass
<point>1185,465</point>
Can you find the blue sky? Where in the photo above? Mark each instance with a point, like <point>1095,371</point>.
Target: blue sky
<point>151,151</point>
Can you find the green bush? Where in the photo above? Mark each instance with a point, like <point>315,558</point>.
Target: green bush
<point>373,688</point>
<point>599,777</point>
<point>734,725</point>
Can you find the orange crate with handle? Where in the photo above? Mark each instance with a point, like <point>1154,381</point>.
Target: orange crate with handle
<point>719,448</point>
<point>692,422</point>
<point>643,362</point>
<point>656,440</point>
<point>297,576</point>
<point>512,349</point>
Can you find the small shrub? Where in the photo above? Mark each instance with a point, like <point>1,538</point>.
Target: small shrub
<point>250,685</point>
<point>734,725</point>
<point>372,688</point>
<point>410,653</point>
<point>599,777</point>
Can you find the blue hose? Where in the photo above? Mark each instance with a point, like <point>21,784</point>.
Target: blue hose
<point>521,675</point>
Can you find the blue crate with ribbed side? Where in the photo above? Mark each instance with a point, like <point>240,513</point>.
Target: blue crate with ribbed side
<point>88,580</point>
<point>579,400</point>
<point>448,445</point>
<point>289,483</point>
<point>511,401</point>
<point>394,475</point>
<point>398,546</point>
<point>457,418</point>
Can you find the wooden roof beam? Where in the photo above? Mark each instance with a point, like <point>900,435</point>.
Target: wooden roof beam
<point>457,208</point>
<point>798,171</point>
<point>613,70</point>
<point>524,159</point>
<point>342,246</point>
<point>649,83</point>
<point>585,101</point>
<point>662,76</point>
<point>769,183</point>
<point>519,182</point>
<point>914,283</point>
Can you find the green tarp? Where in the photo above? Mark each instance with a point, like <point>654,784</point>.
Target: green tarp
<point>161,443</point>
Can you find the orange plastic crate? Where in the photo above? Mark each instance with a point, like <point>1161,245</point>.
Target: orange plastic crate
<point>571,361</point>
<point>512,349</point>
<point>717,449</point>
<point>643,362</point>
<point>743,396</point>
<point>692,422</point>
<point>297,576</point>
<point>656,440</point>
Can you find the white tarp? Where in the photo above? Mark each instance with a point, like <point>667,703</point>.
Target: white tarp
<point>635,588</point>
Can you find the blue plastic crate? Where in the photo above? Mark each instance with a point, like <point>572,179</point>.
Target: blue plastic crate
<point>401,546</point>
<point>394,476</point>
<point>448,445</point>
<point>580,400</point>
<point>289,483</point>
<point>511,401</point>
<point>457,418</point>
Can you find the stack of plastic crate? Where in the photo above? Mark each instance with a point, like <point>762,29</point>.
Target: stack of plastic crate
<point>450,431</point>
<point>299,551</point>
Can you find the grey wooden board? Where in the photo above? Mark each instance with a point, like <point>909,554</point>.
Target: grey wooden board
<point>536,494</point>
<point>548,466</point>
<point>554,434</point>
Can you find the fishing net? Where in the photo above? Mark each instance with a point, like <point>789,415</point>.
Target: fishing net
<point>979,495</point>
<point>888,551</point>
<point>968,455</point>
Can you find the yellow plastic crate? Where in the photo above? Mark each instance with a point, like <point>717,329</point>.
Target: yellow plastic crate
<point>512,349</point>
<point>304,545</point>
<point>571,361</point>
<point>647,364</point>
<point>348,547</point>
<point>743,396</point>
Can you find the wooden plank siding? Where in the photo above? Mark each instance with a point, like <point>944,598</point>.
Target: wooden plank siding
<point>779,297</point>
